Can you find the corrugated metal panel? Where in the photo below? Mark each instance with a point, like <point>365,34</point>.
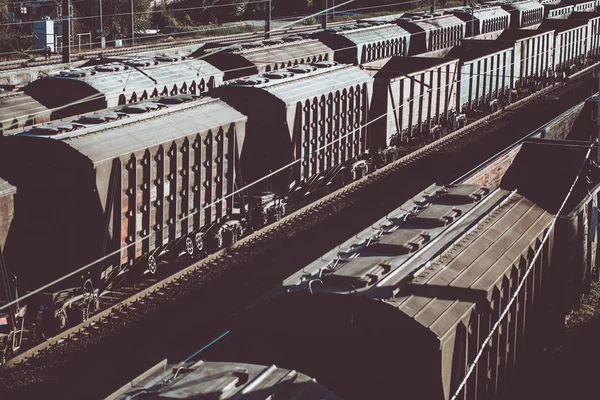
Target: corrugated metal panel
<point>99,145</point>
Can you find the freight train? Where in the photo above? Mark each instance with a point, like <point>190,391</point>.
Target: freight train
<point>402,308</point>
<point>176,173</point>
<point>93,87</point>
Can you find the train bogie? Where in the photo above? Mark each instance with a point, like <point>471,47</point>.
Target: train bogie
<point>413,97</point>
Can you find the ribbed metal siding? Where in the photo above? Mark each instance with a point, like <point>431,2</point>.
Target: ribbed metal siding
<point>165,184</point>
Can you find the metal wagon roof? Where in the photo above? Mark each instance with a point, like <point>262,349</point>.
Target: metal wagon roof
<point>19,107</point>
<point>373,34</point>
<point>429,24</point>
<point>138,132</point>
<point>482,13</point>
<point>408,259</point>
<point>115,79</point>
<point>238,61</point>
<point>223,380</point>
<point>402,66</point>
<point>302,86</point>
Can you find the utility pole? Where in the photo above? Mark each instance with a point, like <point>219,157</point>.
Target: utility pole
<point>598,123</point>
<point>268,21</point>
<point>324,15</point>
<point>66,34</point>
<point>333,11</point>
<point>102,42</point>
<point>432,8</point>
<point>132,26</point>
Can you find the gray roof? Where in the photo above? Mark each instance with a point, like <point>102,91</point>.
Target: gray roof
<point>314,84</point>
<point>19,106</point>
<point>519,5</point>
<point>437,22</point>
<point>223,380</point>
<point>138,132</point>
<point>128,80</point>
<point>414,246</point>
<point>482,13</point>
<point>284,52</point>
<point>374,34</point>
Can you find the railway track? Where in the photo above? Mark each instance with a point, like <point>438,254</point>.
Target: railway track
<point>131,305</point>
<point>173,45</point>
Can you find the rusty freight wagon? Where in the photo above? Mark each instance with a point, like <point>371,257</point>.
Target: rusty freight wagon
<point>253,58</point>
<point>134,183</point>
<point>414,100</point>
<point>87,89</point>
<point>306,124</point>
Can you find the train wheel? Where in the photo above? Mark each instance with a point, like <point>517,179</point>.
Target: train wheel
<point>152,264</point>
<point>189,246</point>
<point>199,242</point>
<point>61,321</point>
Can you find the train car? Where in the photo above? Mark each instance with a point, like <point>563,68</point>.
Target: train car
<point>364,43</point>
<point>95,88</point>
<point>398,309</point>
<point>533,56</point>
<point>312,116</point>
<point>432,33</point>
<point>561,11</point>
<point>523,13</point>
<point>570,47</point>
<point>582,5</point>
<point>18,110</point>
<point>260,57</point>
<point>12,318</point>
<point>485,69</point>
<point>132,184</point>
<point>592,37</point>
<point>482,19</point>
<point>223,381</point>
<point>414,100</point>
